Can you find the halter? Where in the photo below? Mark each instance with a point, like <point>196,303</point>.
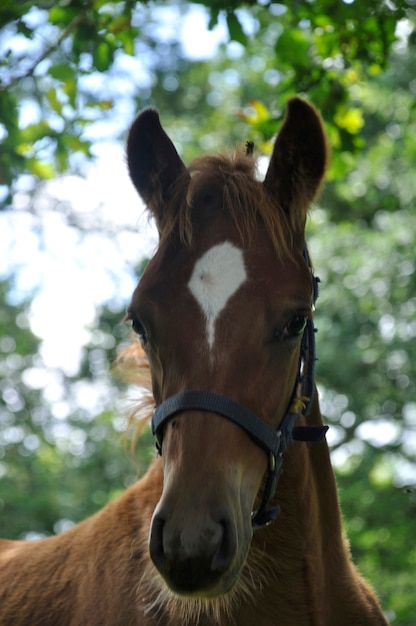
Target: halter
<point>274,442</point>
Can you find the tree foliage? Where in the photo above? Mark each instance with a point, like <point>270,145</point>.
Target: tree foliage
<point>75,73</point>
<point>53,58</point>
<point>59,461</point>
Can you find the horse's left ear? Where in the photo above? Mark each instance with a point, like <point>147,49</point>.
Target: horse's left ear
<point>154,165</point>
<point>298,162</point>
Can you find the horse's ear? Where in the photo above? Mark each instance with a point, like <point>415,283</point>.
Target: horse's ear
<point>298,162</point>
<point>154,165</point>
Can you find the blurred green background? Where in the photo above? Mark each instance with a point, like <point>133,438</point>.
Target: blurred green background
<point>72,77</point>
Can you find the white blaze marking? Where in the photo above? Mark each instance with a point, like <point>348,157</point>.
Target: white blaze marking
<point>217,275</point>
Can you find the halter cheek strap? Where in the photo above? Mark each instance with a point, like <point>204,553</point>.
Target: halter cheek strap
<point>274,442</point>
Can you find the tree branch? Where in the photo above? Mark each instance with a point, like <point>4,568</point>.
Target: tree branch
<point>63,35</point>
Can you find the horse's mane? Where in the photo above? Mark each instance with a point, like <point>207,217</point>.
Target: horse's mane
<point>233,179</point>
<point>244,199</point>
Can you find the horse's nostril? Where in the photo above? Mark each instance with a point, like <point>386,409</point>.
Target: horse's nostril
<point>226,549</point>
<point>156,540</point>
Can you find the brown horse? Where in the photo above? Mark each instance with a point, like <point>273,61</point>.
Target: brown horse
<point>224,315</point>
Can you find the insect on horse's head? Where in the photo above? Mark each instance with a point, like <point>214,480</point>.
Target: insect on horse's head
<point>221,308</point>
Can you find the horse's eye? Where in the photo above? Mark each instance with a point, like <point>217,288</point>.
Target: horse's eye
<point>295,326</point>
<point>138,328</point>
<point>140,332</point>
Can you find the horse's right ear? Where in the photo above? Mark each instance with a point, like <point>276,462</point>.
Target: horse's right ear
<point>298,162</point>
<point>154,165</point>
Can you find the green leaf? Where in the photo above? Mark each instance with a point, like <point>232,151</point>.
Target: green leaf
<point>61,71</point>
<point>34,132</point>
<point>40,169</point>
<point>128,46</point>
<point>213,17</point>
<point>292,48</point>
<point>70,88</point>
<point>103,56</point>
<point>349,119</point>
<point>54,101</point>
<point>235,29</point>
<point>60,15</point>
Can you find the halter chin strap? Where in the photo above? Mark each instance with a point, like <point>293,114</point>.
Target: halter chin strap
<point>274,442</point>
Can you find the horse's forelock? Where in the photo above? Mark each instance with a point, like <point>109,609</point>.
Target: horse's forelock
<point>242,197</point>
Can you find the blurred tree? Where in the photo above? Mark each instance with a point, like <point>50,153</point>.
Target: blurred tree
<point>59,461</point>
<point>73,74</point>
<point>65,70</point>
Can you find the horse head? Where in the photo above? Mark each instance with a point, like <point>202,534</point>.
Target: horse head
<point>221,309</point>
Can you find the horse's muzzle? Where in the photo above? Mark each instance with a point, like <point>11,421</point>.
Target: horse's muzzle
<point>194,558</point>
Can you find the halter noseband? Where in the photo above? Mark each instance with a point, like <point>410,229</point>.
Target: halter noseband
<point>274,442</point>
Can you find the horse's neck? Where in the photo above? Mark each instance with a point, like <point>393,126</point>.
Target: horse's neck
<point>295,546</point>
<point>311,577</point>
